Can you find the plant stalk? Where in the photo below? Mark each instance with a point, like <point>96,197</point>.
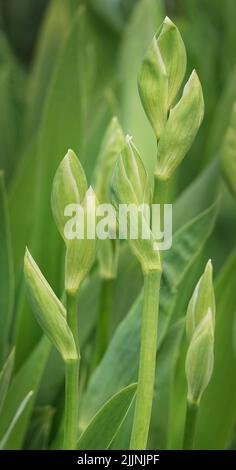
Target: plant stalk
<point>160,196</point>
<point>72,380</point>
<point>104,315</point>
<point>190,425</point>
<point>147,361</point>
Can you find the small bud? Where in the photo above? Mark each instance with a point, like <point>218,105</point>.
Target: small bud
<point>228,154</point>
<point>130,186</point>
<point>48,310</point>
<point>69,187</point>
<point>112,145</point>
<point>200,360</point>
<point>181,129</point>
<point>200,324</point>
<point>161,74</point>
<point>81,252</point>
<point>70,195</point>
<point>202,301</point>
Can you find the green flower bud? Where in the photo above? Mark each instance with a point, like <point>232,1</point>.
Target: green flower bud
<point>161,74</point>
<point>130,186</point>
<point>69,196</point>
<point>202,301</point>
<point>200,325</point>
<point>228,154</point>
<point>69,187</point>
<point>181,129</point>
<point>81,252</point>
<point>48,310</point>
<point>200,360</point>
<point>112,145</point>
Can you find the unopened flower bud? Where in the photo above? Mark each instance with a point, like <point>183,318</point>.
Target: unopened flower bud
<point>200,324</point>
<point>181,129</point>
<point>161,74</point>
<point>69,187</point>
<point>112,145</point>
<point>48,310</point>
<point>81,249</point>
<point>131,187</point>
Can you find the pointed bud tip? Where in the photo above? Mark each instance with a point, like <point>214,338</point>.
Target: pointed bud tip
<point>209,268</point>
<point>167,21</point>
<point>70,154</point>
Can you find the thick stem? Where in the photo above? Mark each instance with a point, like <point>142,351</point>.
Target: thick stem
<point>72,381</point>
<point>160,196</point>
<point>104,316</point>
<point>147,361</point>
<point>190,426</point>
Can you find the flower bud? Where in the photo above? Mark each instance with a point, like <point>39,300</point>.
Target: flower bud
<point>71,198</point>
<point>181,128</point>
<point>200,324</point>
<point>112,145</point>
<point>200,359</point>
<point>202,301</point>
<point>48,310</point>
<point>161,74</point>
<point>228,154</point>
<point>130,187</point>
<point>69,187</point>
<point>81,249</point>
<point>130,184</point>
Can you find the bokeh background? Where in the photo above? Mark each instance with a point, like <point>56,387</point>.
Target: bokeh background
<point>62,77</point>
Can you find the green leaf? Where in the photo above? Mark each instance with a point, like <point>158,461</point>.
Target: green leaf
<point>15,420</point>
<point>39,428</point>
<point>5,377</point>
<point>166,368</point>
<point>119,365</point>
<point>6,273</point>
<point>48,310</point>
<point>228,154</point>
<point>52,36</point>
<point>26,379</point>
<point>106,423</point>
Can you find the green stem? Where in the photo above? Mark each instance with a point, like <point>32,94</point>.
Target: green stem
<point>190,426</point>
<point>160,196</point>
<point>104,315</point>
<point>71,405</point>
<point>72,381</point>
<point>147,361</point>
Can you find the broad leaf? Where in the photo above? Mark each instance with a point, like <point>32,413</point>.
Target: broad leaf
<point>5,377</point>
<point>26,379</point>
<point>106,423</point>
<point>6,273</point>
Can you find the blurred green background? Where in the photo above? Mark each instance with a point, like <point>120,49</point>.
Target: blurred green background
<point>66,67</point>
